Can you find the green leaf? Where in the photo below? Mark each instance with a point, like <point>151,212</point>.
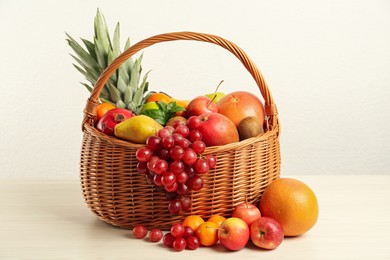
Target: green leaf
<point>90,47</point>
<point>81,53</point>
<point>102,54</point>
<point>116,41</point>
<point>121,86</point>
<point>101,31</point>
<point>128,95</point>
<point>156,114</point>
<point>114,93</point>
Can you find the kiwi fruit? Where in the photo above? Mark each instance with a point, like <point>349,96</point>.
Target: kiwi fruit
<point>250,126</point>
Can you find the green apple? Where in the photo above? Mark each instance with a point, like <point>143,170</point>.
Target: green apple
<point>216,96</point>
<point>150,105</point>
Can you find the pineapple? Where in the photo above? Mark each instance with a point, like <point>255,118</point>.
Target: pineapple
<point>123,89</point>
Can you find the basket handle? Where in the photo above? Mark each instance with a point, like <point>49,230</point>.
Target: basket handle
<point>93,101</point>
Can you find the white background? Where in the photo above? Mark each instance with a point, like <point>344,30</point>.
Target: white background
<point>327,64</point>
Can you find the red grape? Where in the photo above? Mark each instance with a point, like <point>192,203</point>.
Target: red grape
<point>142,168</point>
<point>168,178</point>
<point>177,123</point>
<point>140,231</point>
<point>176,167</point>
<point>152,160</point>
<point>176,152</point>
<point>177,137</point>
<point>198,147</point>
<point>170,129</point>
<point>149,178</point>
<point>153,143</point>
<point>143,154</point>
<point>188,232</point>
<point>168,142</point>
<point>181,177</point>
<point>194,122</point>
<point>174,207</point>
<point>172,162</point>
<point>192,242</point>
<point>177,230</point>
<point>164,154</point>
<point>155,235</point>
<point>183,130</point>
<point>212,161</point>
<point>179,244</point>
<point>195,182</point>
<point>201,166</point>
<point>182,189</point>
<point>157,180</point>
<point>160,166</point>
<point>195,135</point>
<point>184,143</point>
<point>163,133</point>
<point>190,156</point>
<point>185,203</point>
<point>168,240</point>
<point>171,188</point>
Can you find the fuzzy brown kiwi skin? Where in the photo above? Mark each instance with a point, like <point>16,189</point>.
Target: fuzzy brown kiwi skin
<point>250,127</point>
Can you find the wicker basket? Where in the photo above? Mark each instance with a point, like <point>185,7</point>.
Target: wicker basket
<point>119,195</point>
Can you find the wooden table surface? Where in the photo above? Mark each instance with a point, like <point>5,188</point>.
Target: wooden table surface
<point>48,219</point>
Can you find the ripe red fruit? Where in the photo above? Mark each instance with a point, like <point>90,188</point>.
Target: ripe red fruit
<point>155,235</point>
<point>192,242</point>
<point>113,117</point>
<point>217,129</point>
<point>177,230</point>
<point>201,105</point>
<point>168,240</point>
<point>140,231</point>
<point>179,244</point>
<point>266,233</point>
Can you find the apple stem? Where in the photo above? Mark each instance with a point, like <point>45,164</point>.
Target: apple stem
<point>215,95</point>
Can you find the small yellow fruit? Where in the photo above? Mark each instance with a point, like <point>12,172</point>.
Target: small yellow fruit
<point>137,129</point>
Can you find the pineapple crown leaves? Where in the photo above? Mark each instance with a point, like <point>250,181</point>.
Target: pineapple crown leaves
<point>124,88</point>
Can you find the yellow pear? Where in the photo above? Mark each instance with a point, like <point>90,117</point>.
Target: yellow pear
<point>137,129</point>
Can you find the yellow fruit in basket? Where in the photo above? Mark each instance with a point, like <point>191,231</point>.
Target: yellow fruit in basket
<point>137,129</point>
<point>292,203</point>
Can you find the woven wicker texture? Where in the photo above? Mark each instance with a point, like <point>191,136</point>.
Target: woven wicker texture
<point>119,195</point>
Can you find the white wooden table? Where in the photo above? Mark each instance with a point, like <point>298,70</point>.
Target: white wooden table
<point>48,219</point>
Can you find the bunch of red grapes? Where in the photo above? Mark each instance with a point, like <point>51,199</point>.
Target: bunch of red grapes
<point>173,161</point>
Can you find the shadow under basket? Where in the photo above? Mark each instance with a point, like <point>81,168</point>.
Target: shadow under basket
<point>119,195</point>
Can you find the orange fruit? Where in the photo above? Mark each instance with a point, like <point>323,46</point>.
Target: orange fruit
<point>192,221</point>
<point>102,109</point>
<point>207,233</point>
<point>292,203</point>
<point>217,219</point>
<point>160,97</point>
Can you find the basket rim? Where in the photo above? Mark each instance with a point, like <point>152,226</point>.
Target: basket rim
<point>209,150</point>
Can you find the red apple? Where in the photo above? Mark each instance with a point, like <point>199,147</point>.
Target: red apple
<point>200,105</point>
<point>266,233</point>
<point>113,117</point>
<point>247,212</point>
<point>217,129</point>
<point>234,234</point>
